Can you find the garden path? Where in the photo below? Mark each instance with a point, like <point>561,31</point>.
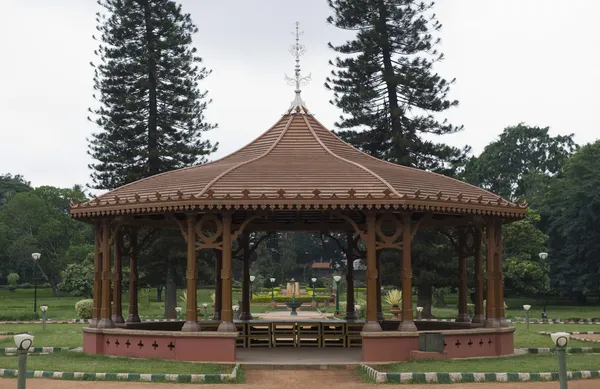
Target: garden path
<point>276,379</point>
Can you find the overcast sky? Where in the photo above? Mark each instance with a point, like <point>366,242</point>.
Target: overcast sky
<point>532,61</point>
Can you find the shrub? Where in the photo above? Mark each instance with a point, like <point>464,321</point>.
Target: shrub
<point>26,285</point>
<point>84,308</point>
<point>12,279</point>
<point>394,297</point>
<point>78,279</point>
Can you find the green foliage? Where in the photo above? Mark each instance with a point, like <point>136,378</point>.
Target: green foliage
<point>12,279</point>
<point>83,308</point>
<point>38,221</point>
<point>524,272</point>
<point>515,165</point>
<point>573,209</point>
<point>439,295</point>
<point>147,85</point>
<point>385,83</point>
<point>78,279</point>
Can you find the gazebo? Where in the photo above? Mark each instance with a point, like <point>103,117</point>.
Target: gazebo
<point>297,176</point>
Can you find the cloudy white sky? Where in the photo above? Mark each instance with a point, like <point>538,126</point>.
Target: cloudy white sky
<point>532,61</point>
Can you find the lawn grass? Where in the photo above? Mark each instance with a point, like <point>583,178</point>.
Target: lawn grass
<point>79,362</point>
<point>532,338</point>
<point>56,335</point>
<point>517,364</point>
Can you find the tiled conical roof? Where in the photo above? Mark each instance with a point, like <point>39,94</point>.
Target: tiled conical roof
<point>298,163</point>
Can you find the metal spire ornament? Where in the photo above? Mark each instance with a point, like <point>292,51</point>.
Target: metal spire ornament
<point>297,81</point>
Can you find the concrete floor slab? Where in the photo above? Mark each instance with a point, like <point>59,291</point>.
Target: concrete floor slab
<point>300,356</point>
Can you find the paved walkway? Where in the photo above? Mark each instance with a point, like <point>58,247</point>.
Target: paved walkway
<point>273,379</point>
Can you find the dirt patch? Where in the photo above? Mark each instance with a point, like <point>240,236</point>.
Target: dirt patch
<point>587,337</point>
<point>277,379</point>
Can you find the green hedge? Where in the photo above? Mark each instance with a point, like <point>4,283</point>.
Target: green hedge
<point>286,299</point>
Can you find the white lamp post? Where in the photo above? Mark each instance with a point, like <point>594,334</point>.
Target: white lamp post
<point>337,294</point>
<point>527,307</point>
<point>252,278</point>
<point>36,257</point>
<point>314,298</point>
<point>23,343</point>
<point>561,339</point>
<point>205,305</point>
<point>272,293</point>
<point>178,310</point>
<point>44,309</point>
<point>543,256</point>
<point>419,312</point>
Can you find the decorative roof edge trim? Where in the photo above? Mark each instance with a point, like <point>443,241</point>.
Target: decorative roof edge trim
<point>283,204</point>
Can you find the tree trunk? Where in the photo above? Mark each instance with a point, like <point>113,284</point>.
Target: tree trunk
<point>389,75</point>
<point>171,291</point>
<point>424,299</point>
<point>159,290</point>
<point>54,286</point>
<point>153,155</point>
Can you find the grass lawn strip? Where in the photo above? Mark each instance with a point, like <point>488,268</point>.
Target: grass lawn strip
<point>455,377</point>
<point>550,350</point>
<point>528,363</point>
<point>74,361</point>
<point>93,376</point>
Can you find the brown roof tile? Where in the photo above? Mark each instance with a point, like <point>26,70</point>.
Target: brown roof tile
<point>298,161</point>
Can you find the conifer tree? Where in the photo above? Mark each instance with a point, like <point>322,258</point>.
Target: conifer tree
<point>151,109</point>
<point>386,86</point>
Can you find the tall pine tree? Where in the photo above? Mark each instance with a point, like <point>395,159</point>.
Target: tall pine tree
<point>151,108</point>
<point>386,86</point>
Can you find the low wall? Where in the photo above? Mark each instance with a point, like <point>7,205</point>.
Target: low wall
<point>209,346</point>
<point>396,346</point>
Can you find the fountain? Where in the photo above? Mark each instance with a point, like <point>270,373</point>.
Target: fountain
<point>293,304</point>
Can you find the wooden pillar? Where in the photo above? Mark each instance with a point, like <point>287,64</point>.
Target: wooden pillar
<point>105,320</point>
<point>379,306</point>
<point>218,283</point>
<point>463,314</point>
<point>499,278</point>
<point>491,312</point>
<point>350,312</point>
<point>372,324</point>
<point>245,243</point>
<point>407,323</point>
<point>226,306</point>
<point>133,278</point>
<point>191,309</point>
<point>479,316</point>
<point>97,294</point>
<point>117,308</point>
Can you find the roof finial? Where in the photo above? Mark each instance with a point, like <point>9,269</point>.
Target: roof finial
<point>297,50</point>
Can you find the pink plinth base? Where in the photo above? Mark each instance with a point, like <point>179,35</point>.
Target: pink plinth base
<point>182,346</point>
<point>396,346</point>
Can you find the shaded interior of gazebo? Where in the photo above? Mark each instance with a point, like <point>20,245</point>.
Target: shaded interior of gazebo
<point>297,176</point>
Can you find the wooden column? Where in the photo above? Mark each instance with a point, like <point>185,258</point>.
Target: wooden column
<point>379,306</point>
<point>218,284</point>
<point>479,316</point>
<point>463,314</point>
<point>191,309</point>
<point>350,312</point>
<point>491,312</point>
<point>105,320</point>
<point>97,294</point>
<point>372,324</point>
<point>133,278</point>
<point>245,308</point>
<point>117,308</point>
<point>407,323</point>
<point>499,278</point>
<point>226,306</point>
